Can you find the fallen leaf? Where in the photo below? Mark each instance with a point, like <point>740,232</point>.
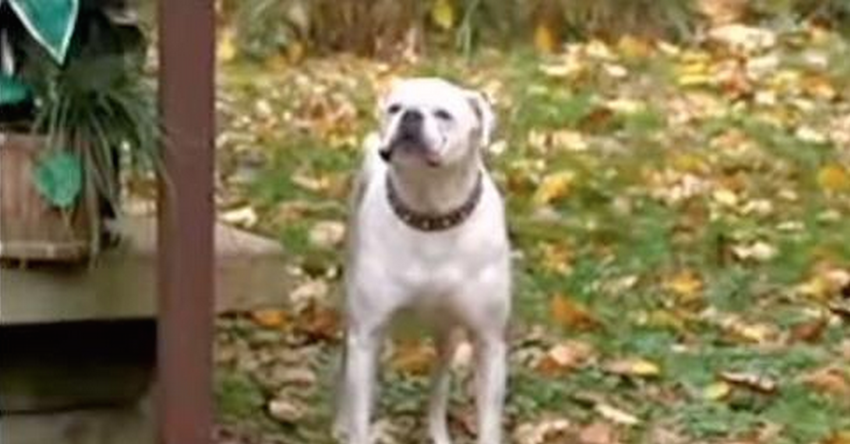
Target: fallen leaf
<point>819,86</point>
<point>831,380</point>
<point>327,234</point>
<point>321,323</point>
<point>571,314</point>
<point>809,331</point>
<point>717,391</point>
<point>269,318</point>
<point>568,140</point>
<point>840,437</point>
<point>554,186</point>
<point>752,381</point>
<point>598,433</point>
<point>634,48</point>
<point>810,135</point>
<point>294,376</point>
<point>687,285</point>
<point>625,106</point>
<point>757,251</point>
<point>743,38</point>
<point>285,411</point>
<point>721,12</point>
<point>725,197</point>
<point>661,318</point>
<point>664,434</point>
<point>556,257</point>
<point>542,432</point>
<point>834,178</point>
<point>739,329</point>
<point>757,333</point>
<point>634,367</point>
<point>617,415</point>
<point>309,293</point>
<point>311,182</point>
<point>568,355</point>
<point>244,217</point>
<point>413,357</point>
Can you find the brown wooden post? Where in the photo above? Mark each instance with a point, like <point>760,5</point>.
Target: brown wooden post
<point>185,222</point>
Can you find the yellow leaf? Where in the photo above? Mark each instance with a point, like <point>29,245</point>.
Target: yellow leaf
<point>819,86</point>
<point>689,162</point>
<point>686,284</point>
<point>757,333</point>
<point>817,288</point>
<point>695,79</point>
<point>841,437</point>
<point>616,415</point>
<point>544,39</point>
<point>634,48</point>
<point>634,367</point>
<point>642,367</point>
<point>725,197</point>
<point>569,355</point>
<point>556,257</point>
<point>226,50</point>
<point>572,314</point>
<point>269,318</point>
<point>834,178</point>
<point>413,357</point>
<point>664,319</point>
<point>553,186</point>
<point>717,391</point>
<point>443,14</point>
<point>752,381</point>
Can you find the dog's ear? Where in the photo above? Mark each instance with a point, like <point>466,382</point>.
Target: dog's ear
<point>486,117</point>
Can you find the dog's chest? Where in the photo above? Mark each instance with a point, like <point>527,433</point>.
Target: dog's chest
<point>430,263</point>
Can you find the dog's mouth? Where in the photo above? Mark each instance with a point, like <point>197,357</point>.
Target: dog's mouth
<point>411,145</point>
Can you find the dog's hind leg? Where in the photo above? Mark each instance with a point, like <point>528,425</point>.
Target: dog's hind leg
<point>341,402</point>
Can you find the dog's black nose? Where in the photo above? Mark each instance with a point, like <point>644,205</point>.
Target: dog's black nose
<point>411,121</point>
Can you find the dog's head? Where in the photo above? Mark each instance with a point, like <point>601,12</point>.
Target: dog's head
<point>433,121</point>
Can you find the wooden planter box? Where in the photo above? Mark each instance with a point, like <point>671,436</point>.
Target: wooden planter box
<point>30,228</point>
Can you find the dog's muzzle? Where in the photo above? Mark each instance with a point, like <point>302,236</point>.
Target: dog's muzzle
<point>409,137</point>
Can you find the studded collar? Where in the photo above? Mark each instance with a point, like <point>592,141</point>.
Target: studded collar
<point>434,222</point>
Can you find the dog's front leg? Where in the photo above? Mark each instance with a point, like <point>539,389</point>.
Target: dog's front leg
<point>440,385</point>
<point>361,353</point>
<point>490,387</point>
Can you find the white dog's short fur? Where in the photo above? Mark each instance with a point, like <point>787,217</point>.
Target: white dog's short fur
<point>458,278</point>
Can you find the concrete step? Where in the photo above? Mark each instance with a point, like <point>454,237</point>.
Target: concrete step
<point>250,273</point>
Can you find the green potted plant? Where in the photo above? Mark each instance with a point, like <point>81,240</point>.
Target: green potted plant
<point>75,107</point>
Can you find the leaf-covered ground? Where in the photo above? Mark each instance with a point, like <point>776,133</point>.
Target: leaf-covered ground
<point>681,219</point>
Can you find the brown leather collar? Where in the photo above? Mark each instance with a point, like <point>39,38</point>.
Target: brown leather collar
<point>434,222</point>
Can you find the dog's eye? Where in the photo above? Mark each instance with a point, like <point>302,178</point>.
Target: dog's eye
<point>394,109</point>
<point>442,114</point>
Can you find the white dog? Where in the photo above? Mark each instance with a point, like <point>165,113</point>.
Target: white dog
<point>427,232</point>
